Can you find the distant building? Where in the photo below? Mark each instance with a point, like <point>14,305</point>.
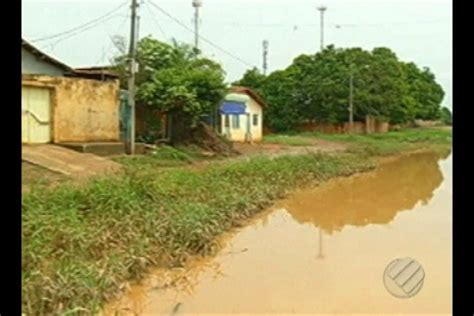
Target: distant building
<point>241,115</point>
<point>61,104</point>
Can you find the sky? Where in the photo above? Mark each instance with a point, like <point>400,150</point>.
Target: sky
<point>416,30</point>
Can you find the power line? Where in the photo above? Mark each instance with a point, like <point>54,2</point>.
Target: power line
<point>333,25</point>
<point>387,24</point>
<point>82,30</point>
<point>156,21</point>
<point>111,43</point>
<point>200,36</point>
<point>79,27</point>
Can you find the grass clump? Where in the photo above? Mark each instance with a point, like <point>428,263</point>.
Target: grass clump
<point>164,156</point>
<point>290,140</point>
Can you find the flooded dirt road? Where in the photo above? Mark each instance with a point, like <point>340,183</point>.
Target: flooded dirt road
<point>324,250</point>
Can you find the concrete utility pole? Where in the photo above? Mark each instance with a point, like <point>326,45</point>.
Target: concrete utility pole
<point>196,4</point>
<point>351,95</point>
<point>321,10</point>
<point>351,104</point>
<point>131,75</point>
<point>265,54</point>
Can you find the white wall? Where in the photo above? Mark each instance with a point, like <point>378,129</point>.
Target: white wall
<point>31,65</point>
<point>238,134</point>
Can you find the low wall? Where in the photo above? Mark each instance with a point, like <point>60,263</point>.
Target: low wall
<point>369,127</point>
<point>426,123</point>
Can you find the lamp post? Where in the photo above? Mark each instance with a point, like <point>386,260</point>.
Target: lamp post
<point>196,4</point>
<point>321,10</point>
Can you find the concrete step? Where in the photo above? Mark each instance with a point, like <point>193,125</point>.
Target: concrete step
<point>103,149</point>
<point>68,162</point>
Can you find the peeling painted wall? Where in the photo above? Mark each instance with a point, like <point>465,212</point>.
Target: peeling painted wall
<point>84,110</point>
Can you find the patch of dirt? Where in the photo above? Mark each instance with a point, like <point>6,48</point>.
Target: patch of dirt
<point>246,150</point>
<point>444,128</point>
<point>206,138</point>
<point>32,175</point>
<point>279,149</point>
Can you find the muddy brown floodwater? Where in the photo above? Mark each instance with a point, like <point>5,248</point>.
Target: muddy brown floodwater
<point>323,251</point>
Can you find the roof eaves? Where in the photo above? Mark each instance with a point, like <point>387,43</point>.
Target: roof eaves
<point>35,51</point>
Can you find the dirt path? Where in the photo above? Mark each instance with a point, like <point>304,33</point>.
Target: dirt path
<point>33,175</point>
<point>279,149</point>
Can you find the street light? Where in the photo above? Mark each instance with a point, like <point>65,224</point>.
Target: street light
<point>321,10</point>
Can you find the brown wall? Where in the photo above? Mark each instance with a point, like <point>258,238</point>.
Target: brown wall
<point>341,128</point>
<point>84,110</point>
<point>427,123</point>
<point>370,126</point>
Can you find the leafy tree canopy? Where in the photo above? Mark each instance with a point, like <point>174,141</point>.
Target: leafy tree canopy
<point>315,87</point>
<point>175,78</point>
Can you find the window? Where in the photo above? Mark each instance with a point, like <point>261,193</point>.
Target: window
<point>226,121</point>
<point>235,121</point>
<point>255,119</point>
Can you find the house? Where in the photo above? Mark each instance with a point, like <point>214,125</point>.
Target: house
<point>64,105</point>
<point>241,115</point>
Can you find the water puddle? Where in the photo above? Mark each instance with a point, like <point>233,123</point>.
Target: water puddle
<point>324,251</point>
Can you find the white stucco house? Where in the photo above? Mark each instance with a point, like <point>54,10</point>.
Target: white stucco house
<point>241,115</point>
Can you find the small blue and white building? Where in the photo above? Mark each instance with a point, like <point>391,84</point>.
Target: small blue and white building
<point>241,115</point>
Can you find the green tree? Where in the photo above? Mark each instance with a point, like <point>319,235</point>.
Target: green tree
<point>252,78</point>
<point>283,114</point>
<point>176,79</point>
<point>446,116</point>
<point>316,88</point>
<point>423,92</point>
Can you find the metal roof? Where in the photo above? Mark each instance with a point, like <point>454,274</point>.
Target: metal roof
<point>98,73</point>
<point>36,52</point>
<point>249,92</point>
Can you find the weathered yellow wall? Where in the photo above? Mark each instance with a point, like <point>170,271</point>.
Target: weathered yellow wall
<point>84,110</point>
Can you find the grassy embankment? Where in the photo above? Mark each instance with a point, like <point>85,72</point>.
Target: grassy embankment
<point>81,244</point>
<point>374,144</point>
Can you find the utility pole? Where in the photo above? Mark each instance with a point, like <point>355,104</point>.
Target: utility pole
<point>131,75</point>
<point>265,54</point>
<point>196,4</point>
<point>321,10</point>
<point>351,95</point>
<point>351,104</point>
